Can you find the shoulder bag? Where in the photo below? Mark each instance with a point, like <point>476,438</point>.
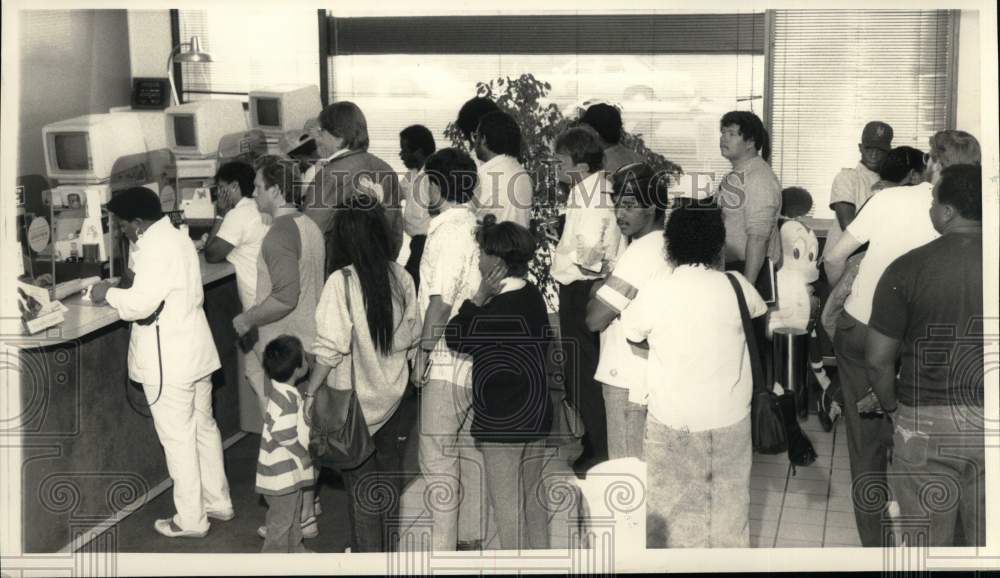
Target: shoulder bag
<point>339,438</point>
<point>766,426</point>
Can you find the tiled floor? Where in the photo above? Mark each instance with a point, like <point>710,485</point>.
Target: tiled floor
<point>804,507</point>
<point>800,507</point>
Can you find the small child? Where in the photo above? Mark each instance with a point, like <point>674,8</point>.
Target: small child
<point>284,467</point>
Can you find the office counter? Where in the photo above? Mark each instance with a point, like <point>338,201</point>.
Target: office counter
<point>90,449</point>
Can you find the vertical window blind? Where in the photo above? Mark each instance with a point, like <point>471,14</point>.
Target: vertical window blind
<point>834,70</point>
<point>251,49</point>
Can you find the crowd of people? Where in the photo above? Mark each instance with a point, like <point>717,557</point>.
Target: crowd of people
<point>653,288</point>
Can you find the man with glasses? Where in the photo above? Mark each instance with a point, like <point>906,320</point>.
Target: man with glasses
<point>236,237</point>
<point>892,222</point>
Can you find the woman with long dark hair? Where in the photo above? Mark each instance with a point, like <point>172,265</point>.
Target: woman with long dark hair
<point>367,317</point>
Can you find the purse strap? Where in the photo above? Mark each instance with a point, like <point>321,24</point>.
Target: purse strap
<point>350,314</point>
<point>752,346</point>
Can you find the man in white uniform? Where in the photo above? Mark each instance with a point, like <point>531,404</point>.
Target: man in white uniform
<point>236,237</point>
<point>172,354</point>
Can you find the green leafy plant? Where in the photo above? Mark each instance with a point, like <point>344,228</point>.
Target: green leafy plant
<point>524,98</point>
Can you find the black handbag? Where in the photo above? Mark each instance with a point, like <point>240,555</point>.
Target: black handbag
<point>339,438</point>
<point>766,426</point>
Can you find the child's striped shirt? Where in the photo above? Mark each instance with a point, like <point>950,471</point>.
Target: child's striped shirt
<point>284,464</point>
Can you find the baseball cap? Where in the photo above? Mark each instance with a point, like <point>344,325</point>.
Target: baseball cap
<point>877,134</point>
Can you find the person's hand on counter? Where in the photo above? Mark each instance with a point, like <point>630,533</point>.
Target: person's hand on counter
<point>99,291</point>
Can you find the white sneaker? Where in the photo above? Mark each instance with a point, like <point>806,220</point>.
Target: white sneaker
<point>221,515</point>
<point>168,528</point>
<point>310,529</point>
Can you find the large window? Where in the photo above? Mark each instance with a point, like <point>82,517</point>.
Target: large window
<point>823,76</point>
<point>251,49</point>
<point>673,74</point>
<point>835,70</point>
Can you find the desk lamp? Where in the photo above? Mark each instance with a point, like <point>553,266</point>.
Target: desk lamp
<point>194,54</point>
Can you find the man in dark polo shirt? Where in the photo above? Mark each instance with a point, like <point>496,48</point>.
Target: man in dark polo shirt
<point>928,314</point>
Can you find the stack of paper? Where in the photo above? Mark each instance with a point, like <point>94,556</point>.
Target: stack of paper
<point>38,312</point>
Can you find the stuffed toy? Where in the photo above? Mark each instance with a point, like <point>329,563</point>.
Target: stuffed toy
<point>795,310</point>
<point>796,202</point>
<point>798,271</point>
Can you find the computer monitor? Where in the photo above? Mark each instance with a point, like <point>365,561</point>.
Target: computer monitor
<point>84,149</point>
<point>194,129</point>
<point>281,108</point>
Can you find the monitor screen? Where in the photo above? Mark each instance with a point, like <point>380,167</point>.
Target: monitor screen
<point>268,112</point>
<point>184,131</point>
<point>72,151</point>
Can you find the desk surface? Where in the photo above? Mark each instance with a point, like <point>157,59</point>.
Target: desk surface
<point>83,317</point>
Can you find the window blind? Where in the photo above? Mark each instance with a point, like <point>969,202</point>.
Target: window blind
<point>549,34</point>
<point>251,49</point>
<point>835,70</point>
<point>673,97</point>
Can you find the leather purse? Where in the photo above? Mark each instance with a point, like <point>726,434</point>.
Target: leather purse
<point>339,438</point>
<point>766,425</point>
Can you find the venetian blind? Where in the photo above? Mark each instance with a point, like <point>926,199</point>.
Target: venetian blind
<point>835,70</point>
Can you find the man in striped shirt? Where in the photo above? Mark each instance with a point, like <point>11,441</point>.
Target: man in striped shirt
<point>284,467</point>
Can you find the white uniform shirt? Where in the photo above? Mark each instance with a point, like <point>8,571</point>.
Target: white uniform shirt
<point>416,198</point>
<point>590,230</point>
<point>621,364</point>
<point>698,374</point>
<point>449,267</point>
<point>892,223</point>
<point>505,190</point>
<point>166,269</point>
<point>243,227</point>
<point>853,186</point>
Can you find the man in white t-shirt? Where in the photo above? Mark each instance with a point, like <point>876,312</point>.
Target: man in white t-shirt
<point>640,204</point>
<point>892,223</point>
<point>505,188</point>
<point>236,237</point>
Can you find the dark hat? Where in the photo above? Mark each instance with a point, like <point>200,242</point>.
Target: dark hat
<point>877,134</point>
<point>136,203</point>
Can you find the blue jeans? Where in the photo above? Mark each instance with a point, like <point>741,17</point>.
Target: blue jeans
<point>451,465</point>
<point>514,479</point>
<point>626,423</point>
<point>698,486</point>
<point>284,532</point>
<point>938,475</point>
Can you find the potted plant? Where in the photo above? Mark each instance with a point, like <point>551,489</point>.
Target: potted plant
<point>524,98</point>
